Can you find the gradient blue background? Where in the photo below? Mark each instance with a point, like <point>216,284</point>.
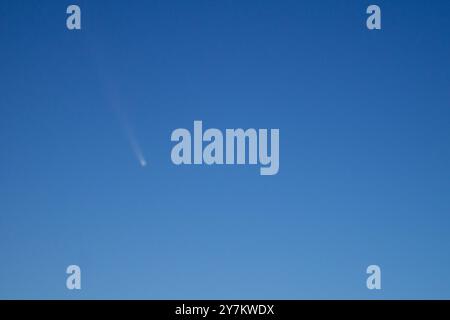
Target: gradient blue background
<point>364,119</point>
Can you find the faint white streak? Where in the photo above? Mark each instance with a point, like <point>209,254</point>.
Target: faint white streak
<point>111,91</point>
<point>136,147</point>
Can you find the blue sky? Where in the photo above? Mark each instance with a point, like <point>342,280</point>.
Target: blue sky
<point>364,149</point>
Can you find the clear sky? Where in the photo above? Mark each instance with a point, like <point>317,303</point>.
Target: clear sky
<point>364,119</point>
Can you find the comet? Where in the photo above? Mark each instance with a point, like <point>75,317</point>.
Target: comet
<point>111,91</point>
<point>114,103</point>
<point>136,148</point>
